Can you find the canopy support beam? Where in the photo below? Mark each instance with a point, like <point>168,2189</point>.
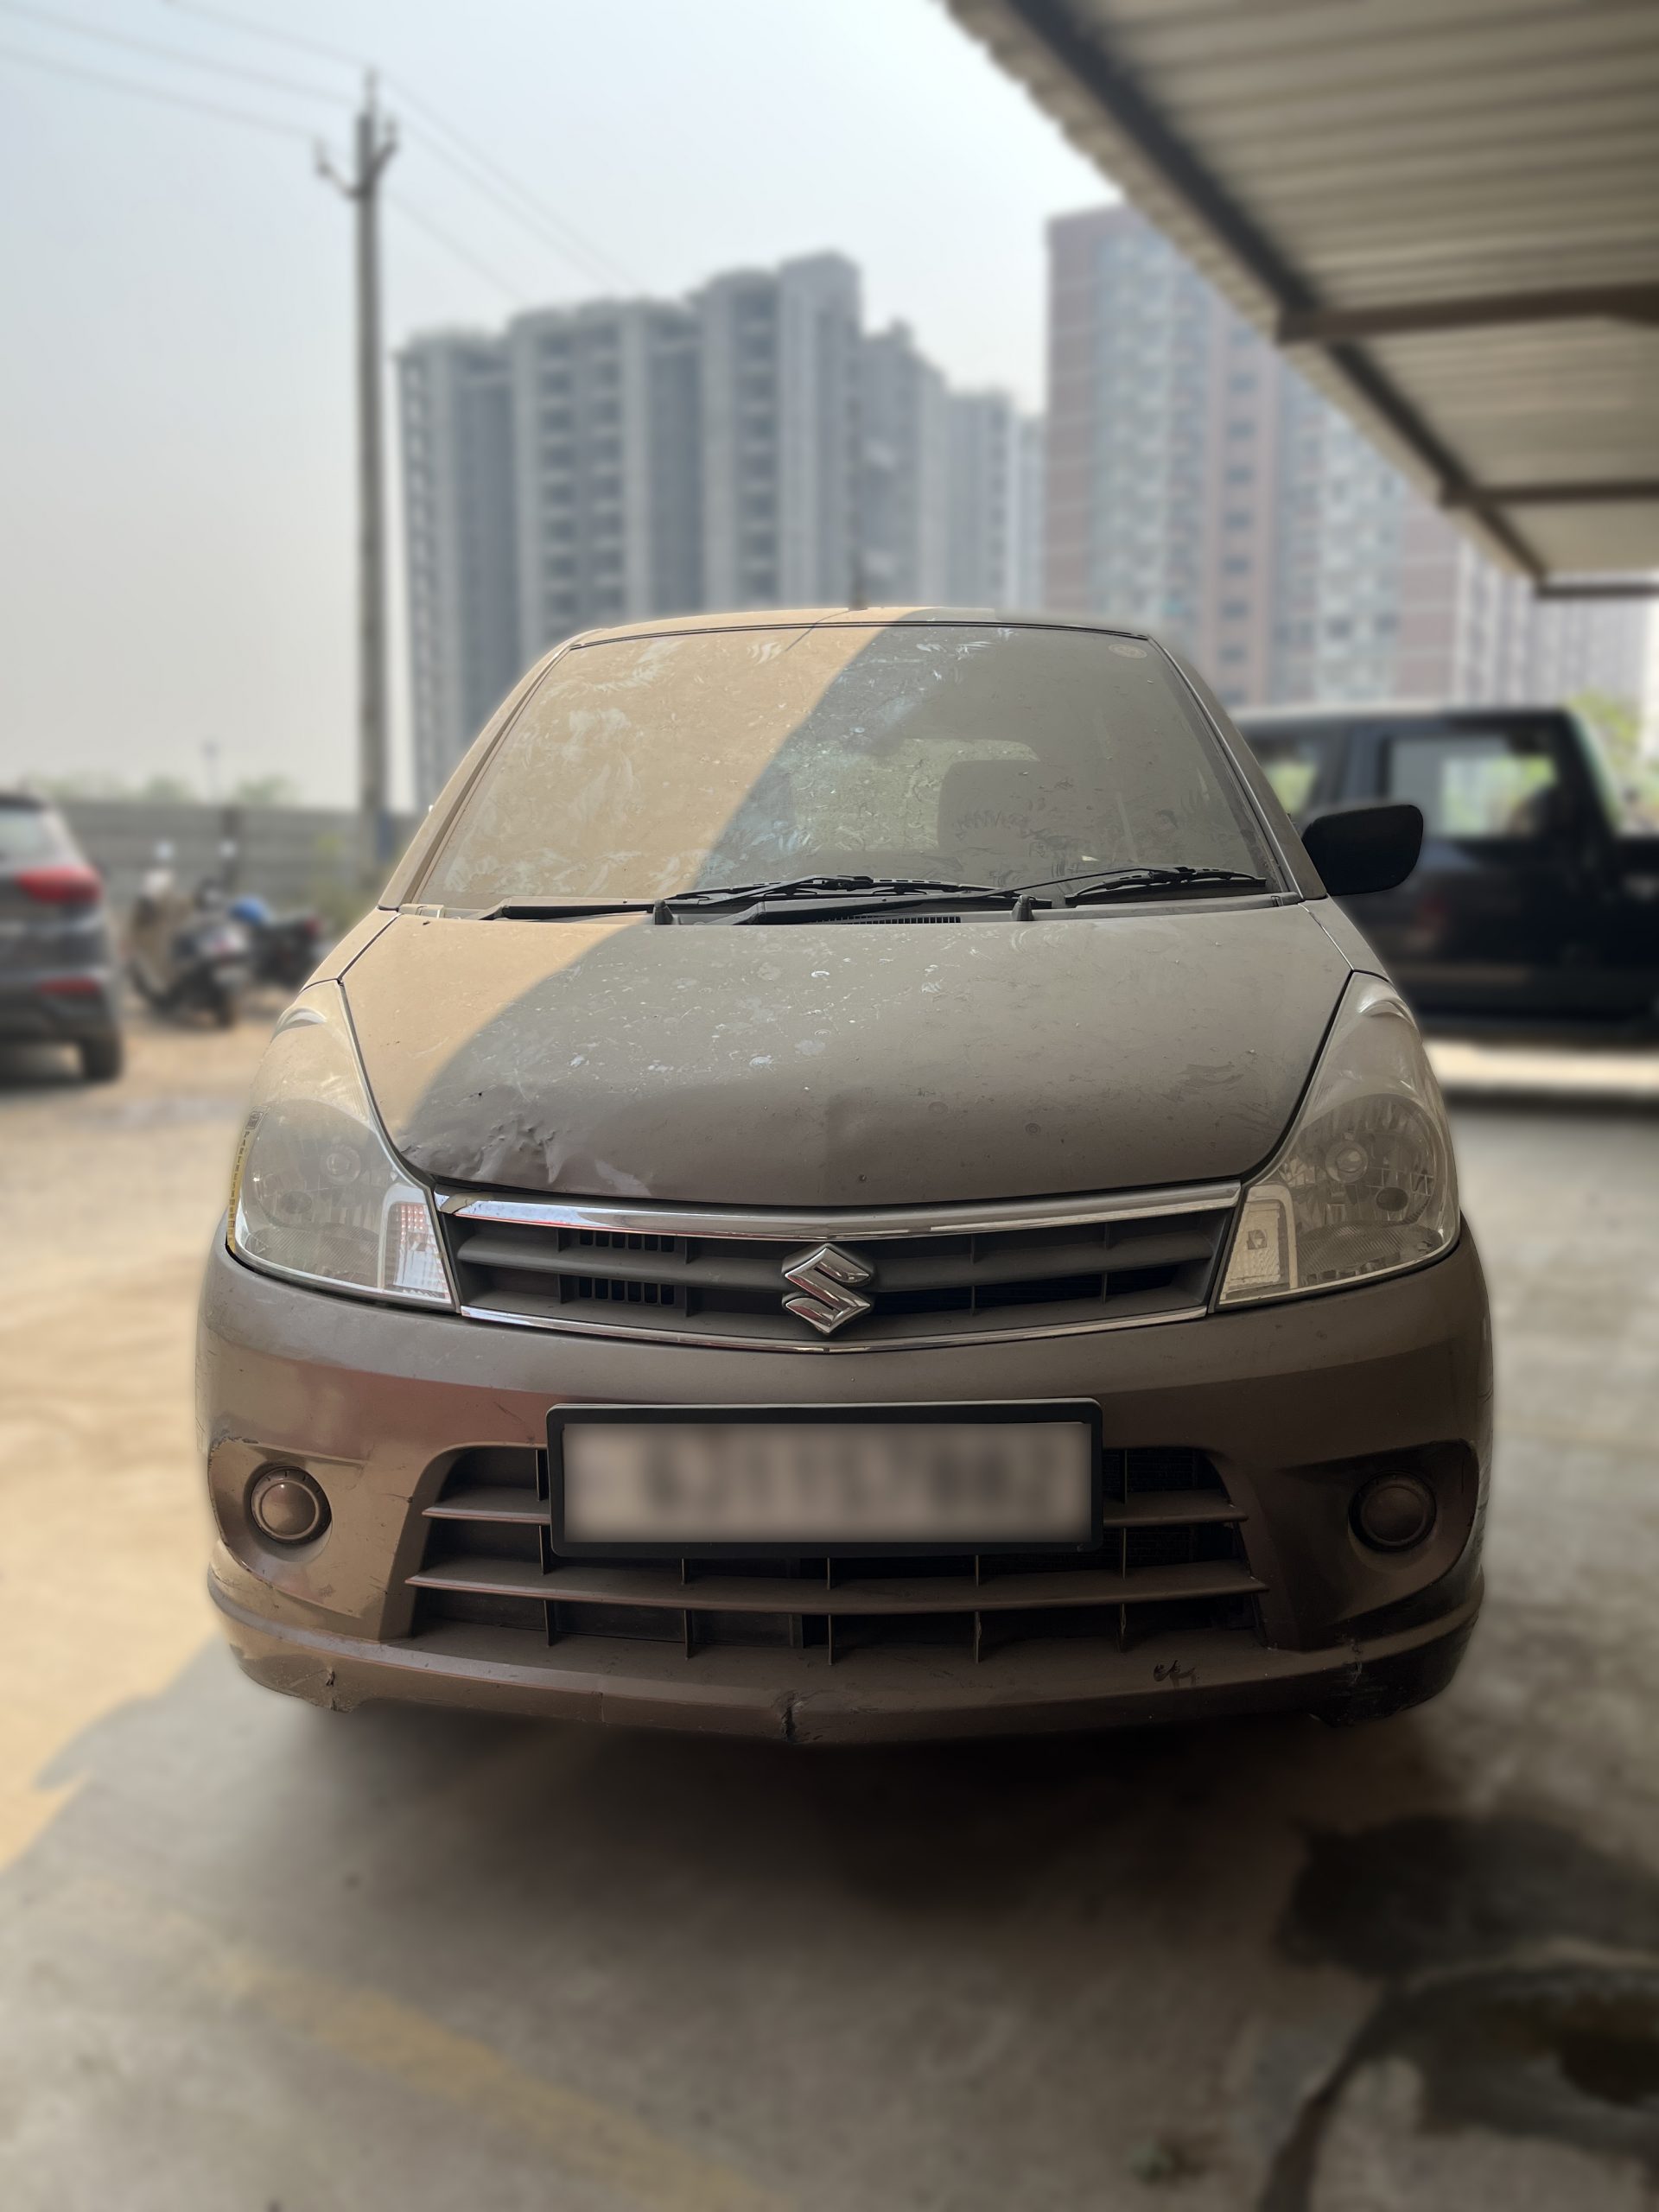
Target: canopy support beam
<point>1313,326</point>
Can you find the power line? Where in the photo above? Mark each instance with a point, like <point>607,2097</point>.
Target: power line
<point>412,214</point>
<point>153,93</point>
<point>73,24</point>
<point>296,39</point>
<point>534,212</point>
<point>219,113</point>
<point>567,238</point>
<point>522,206</point>
<point>543,231</point>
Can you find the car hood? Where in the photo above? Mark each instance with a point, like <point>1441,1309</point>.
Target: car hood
<point>842,1064</point>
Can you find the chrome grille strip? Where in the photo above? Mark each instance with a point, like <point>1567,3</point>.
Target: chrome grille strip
<point>631,1218</point>
<point>925,1277</point>
<point>564,1324</point>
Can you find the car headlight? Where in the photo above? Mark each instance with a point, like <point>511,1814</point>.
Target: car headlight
<point>1364,1184</point>
<point>318,1193</point>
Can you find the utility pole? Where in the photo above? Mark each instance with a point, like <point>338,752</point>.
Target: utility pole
<point>373,148</point>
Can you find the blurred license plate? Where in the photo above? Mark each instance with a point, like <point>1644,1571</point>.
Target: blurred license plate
<point>1017,1477</point>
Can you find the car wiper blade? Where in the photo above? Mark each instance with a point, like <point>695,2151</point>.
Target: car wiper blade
<point>739,894</point>
<point>875,889</point>
<point>1121,880</point>
<point>810,887</point>
<point>561,910</point>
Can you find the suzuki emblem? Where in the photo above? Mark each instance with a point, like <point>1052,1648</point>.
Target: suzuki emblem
<point>826,1292</point>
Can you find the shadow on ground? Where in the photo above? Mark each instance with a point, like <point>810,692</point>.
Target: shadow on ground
<point>1050,1972</point>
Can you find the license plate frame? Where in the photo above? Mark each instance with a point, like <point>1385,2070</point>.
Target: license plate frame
<point>1016,1413</point>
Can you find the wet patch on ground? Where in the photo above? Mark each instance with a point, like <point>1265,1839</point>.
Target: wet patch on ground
<point>1521,1968</point>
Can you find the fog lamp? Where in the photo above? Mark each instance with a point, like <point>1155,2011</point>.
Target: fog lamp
<point>287,1506</point>
<point>1394,1512</point>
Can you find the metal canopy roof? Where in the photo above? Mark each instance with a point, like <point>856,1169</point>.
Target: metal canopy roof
<point>1447,209</point>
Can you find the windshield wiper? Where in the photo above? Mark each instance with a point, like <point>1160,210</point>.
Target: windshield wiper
<point>1118,881</point>
<point>740,895</point>
<point>561,910</point>
<point>808,887</point>
<point>876,889</point>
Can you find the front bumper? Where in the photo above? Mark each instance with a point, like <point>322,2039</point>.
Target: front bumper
<point>1294,1405</point>
<point>909,1696</point>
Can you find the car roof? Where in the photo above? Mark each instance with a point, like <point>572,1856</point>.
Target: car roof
<point>807,618</point>
<point>1396,710</point>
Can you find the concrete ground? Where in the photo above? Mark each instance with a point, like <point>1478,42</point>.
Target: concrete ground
<point>255,1958</point>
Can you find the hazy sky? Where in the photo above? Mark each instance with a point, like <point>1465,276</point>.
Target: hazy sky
<point>177,501</point>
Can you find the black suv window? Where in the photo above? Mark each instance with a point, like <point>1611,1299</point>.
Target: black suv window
<point>1485,782</point>
<point>1293,763</point>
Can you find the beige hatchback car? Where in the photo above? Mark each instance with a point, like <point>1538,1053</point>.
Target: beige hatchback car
<point>855,1186</point>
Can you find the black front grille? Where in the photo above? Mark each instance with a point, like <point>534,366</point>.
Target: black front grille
<point>1124,1267</point>
<point>1170,1560</point>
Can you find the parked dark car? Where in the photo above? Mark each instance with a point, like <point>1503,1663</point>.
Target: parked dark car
<point>1532,909</point>
<point>856,1186</point>
<point>57,963</point>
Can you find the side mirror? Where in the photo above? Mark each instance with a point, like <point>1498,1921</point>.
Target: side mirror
<point>1371,847</point>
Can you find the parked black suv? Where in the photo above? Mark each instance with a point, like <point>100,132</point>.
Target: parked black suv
<point>57,964</point>
<point>1535,907</point>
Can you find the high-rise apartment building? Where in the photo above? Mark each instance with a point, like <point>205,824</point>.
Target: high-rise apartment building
<point>607,453</point>
<point>905,492</point>
<point>1199,485</point>
<point>1163,445</point>
<point>459,554</point>
<point>995,503</point>
<point>1031,515</point>
<point>751,447</point>
<point>780,354</point>
<point>1345,553</point>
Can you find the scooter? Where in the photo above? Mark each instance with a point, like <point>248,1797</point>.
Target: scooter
<point>285,947</point>
<point>188,954</point>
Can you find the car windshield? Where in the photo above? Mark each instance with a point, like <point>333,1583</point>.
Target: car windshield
<point>967,753</point>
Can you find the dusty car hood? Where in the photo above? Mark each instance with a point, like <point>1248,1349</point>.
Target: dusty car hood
<point>832,1065</point>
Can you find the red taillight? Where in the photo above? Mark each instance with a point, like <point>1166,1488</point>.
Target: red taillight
<point>61,883</point>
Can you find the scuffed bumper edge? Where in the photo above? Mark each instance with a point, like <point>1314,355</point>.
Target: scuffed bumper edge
<point>1358,1679</point>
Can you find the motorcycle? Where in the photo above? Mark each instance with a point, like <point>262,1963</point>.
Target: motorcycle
<point>285,947</point>
<point>188,954</point>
